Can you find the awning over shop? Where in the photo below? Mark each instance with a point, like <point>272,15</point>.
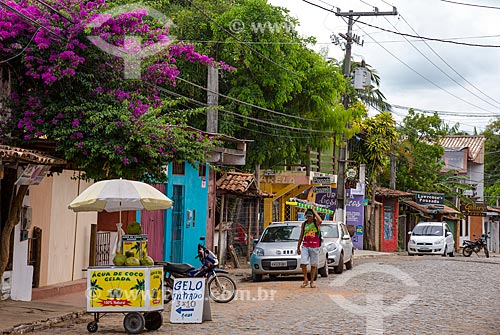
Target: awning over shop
<point>430,209</point>
<point>10,154</point>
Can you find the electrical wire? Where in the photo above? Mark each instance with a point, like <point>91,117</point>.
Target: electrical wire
<point>55,11</point>
<point>32,21</point>
<point>469,4</point>
<point>448,113</point>
<point>24,49</point>
<point>439,68</point>
<point>244,102</point>
<point>427,79</point>
<point>247,117</point>
<point>410,35</point>
<point>453,69</point>
<point>178,95</point>
<point>260,54</point>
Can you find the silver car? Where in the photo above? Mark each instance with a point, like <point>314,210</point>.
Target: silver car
<point>338,243</point>
<point>276,252</point>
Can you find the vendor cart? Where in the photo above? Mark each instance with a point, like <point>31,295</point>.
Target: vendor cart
<point>135,291</point>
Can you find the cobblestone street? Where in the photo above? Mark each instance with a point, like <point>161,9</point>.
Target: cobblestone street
<point>393,295</point>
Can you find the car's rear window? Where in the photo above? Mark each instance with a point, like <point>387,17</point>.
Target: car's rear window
<point>426,230</point>
<point>329,231</point>
<point>281,234</point>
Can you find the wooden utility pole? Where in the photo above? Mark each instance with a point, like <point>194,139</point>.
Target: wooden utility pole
<point>349,38</point>
<point>392,181</point>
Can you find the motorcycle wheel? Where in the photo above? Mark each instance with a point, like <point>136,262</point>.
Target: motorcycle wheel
<point>168,286</point>
<point>486,252</point>
<point>221,288</point>
<point>467,251</point>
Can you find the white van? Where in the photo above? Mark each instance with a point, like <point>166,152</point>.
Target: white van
<point>431,238</point>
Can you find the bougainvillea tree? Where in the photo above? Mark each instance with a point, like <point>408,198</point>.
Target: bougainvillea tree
<point>73,93</point>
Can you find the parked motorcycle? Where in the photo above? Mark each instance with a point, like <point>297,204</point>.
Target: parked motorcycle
<point>476,246</point>
<point>221,287</point>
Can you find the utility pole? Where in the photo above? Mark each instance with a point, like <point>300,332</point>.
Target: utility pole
<point>349,38</point>
<point>212,99</point>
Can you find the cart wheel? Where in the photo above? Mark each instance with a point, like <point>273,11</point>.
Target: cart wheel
<point>134,323</point>
<point>92,326</point>
<point>154,320</point>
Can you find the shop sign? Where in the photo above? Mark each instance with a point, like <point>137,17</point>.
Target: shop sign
<point>122,288</point>
<point>323,180</point>
<point>474,209</point>
<point>189,301</point>
<point>425,199</point>
<point>322,189</point>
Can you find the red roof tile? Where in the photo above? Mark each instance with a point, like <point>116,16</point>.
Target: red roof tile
<point>240,183</point>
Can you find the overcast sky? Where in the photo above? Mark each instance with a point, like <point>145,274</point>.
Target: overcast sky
<point>470,85</point>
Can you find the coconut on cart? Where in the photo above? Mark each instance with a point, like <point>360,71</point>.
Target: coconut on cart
<point>133,285</point>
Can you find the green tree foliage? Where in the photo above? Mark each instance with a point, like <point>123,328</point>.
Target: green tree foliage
<point>419,158</point>
<point>378,138</point>
<point>420,154</point>
<point>275,70</point>
<point>491,162</point>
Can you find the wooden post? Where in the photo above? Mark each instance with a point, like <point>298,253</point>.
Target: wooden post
<point>249,236</point>
<point>308,163</point>
<point>221,220</point>
<point>93,245</point>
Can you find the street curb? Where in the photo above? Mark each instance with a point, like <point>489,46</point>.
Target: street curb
<point>42,324</point>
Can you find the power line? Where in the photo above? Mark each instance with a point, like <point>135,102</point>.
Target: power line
<point>237,39</point>
<point>415,40</point>
<point>410,35</point>
<point>55,11</point>
<point>427,79</point>
<point>449,113</point>
<point>243,116</point>
<point>238,116</point>
<point>246,103</point>
<point>439,68</point>
<point>453,69</point>
<point>470,4</point>
<point>24,49</point>
<point>32,21</point>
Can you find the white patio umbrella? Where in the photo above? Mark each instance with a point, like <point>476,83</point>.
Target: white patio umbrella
<point>116,195</point>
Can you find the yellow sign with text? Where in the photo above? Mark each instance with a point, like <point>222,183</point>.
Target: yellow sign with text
<point>117,287</point>
<point>156,285</point>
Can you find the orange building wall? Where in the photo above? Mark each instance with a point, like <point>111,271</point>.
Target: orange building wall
<point>476,226</point>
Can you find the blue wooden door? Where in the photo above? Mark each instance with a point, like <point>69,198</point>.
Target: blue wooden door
<point>177,223</point>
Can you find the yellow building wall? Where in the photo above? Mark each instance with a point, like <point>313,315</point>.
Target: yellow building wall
<point>66,235</point>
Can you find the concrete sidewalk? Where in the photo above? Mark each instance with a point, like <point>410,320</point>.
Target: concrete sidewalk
<point>20,317</point>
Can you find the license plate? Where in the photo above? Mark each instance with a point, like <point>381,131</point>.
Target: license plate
<point>277,264</point>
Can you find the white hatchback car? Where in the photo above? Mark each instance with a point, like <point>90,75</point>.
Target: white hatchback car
<point>275,253</point>
<point>431,238</point>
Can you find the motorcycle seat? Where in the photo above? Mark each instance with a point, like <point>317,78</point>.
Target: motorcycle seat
<point>177,267</point>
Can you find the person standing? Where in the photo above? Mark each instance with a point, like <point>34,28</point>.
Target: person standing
<point>309,244</point>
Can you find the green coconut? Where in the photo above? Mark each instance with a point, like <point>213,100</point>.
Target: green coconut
<point>147,260</point>
<point>132,261</point>
<point>129,253</point>
<point>134,228</point>
<point>119,259</point>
